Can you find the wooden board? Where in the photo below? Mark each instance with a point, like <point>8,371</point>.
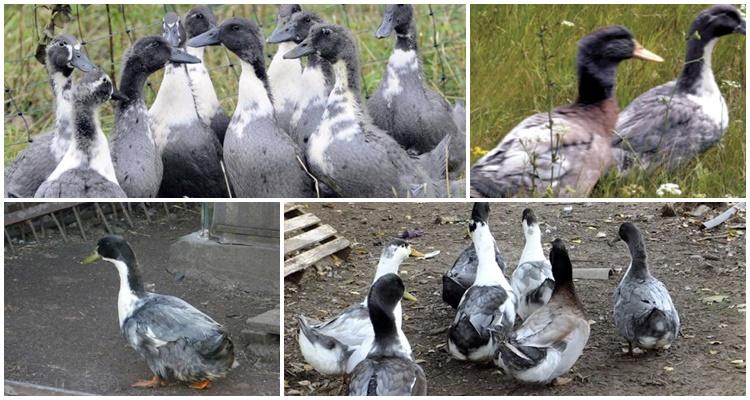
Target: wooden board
<point>303,221</point>
<point>291,207</point>
<point>310,257</point>
<point>308,238</point>
<point>35,211</point>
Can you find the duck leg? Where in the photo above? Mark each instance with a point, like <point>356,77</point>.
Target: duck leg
<point>201,385</point>
<point>151,383</point>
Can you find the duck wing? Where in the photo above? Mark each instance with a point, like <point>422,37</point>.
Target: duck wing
<point>635,302</point>
<point>387,376</point>
<point>350,327</point>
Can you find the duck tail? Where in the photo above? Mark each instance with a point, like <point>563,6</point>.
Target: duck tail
<point>659,323</point>
<point>519,357</point>
<point>459,116</point>
<point>436,160</point>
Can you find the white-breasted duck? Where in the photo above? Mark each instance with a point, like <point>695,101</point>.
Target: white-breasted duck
<point>567,158</point>
<point>36,162</point>
<point>316,81</point>
<point>487,310</point>
<point>674,122</point>
<point>350,154</point>
<point>178,342</point>
<point>550,340</point>
<point>644,313</point>
<point>135,154</point>
<point>285,75</point>
<point>198,20</point>
<point>389,368</point>
<point>190,151</point>
<point>329,346</point>
<point>532,280</point>
<point>86,168</point>
<point>403,106</point>
<point>261,159</point>
<point>463,273</point>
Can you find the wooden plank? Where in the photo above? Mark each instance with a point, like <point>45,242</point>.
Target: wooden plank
<point>303,221</point>
<point>291,207</point>
<point>310,257</point>
<point>34,211</point>
<point>307,238</point>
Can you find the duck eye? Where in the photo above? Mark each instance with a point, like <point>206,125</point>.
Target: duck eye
<point>307,19</point>
<point>61,44</point>
<point>326,31</point>
<point>235,27</point>
<point>199,16</point>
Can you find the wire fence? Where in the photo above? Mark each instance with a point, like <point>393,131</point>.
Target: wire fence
<point>28,101</point>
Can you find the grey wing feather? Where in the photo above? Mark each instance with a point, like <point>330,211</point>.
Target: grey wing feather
<point>635,300</point>
<point>30,168</point>
<point>387,376</point>
<point>80,183</point>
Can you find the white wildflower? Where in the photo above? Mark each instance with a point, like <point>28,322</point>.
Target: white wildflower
<point>668,189</point>
<point>731,84</point>
<point>567,23</point>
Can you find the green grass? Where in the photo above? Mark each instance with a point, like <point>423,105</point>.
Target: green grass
<point>508,83</point>
<point>27,78</point>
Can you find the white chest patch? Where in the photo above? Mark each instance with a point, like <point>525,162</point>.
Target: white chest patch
<point>315,86</point>
<point>173,105</point>
<point>99,158</point>
<point>284,77</point>
<point>202,87</point>
<point>400,61</point>
<point>708,96</point>
<point>341,126</point>
<point>253,102</point>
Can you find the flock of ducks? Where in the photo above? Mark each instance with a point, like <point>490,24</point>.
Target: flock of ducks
<point>533,325</point>
<point>300,129</point>
<point>568,150</point>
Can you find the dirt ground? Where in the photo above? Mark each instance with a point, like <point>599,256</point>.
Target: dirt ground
<point>694,265</point>
<point>61,326</point>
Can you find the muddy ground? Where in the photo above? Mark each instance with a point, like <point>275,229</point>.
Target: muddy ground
<point>61,326</point>
<point>693,264</point>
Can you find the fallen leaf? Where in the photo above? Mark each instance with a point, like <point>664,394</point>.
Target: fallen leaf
<point>715,342</point>
<point>562,381</point>
<point>668,369</point>
<point>714,299</point>
<point>712,352</point>
<point>738,363</point>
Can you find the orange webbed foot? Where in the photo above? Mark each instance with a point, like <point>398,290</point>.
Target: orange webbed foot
<point>154,382</point>
<point>204,384</point>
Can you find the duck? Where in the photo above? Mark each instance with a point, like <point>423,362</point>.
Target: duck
<point>528,162</point>
<point>347,152</point>
<point>532,280</point>
<point>549,342</point>
<point>644,313</point>
<point>86,169</point>
<point>178,342</point>
<point>389,368</point>
<point>462,274</point>
<point>329,346</point>
<point>261,159</point>
<point>487,310</point>
<point>673,123</point>
<point>35,163</point>
<point>285,75</point>
<point>316,81</point>
<point>197,21</point>
<point>416,116</point>
<point>135,154</point>
<point>190,151</point>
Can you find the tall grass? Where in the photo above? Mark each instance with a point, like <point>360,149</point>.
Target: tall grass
<point>31,94</point>
<point>508,83</point>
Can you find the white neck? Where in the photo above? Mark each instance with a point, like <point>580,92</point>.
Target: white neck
<point>97,157</point>
<point>708,82</point>
<point>488,272</point>
<point>126,299</point>
<point>253,101</point>
<point>341,74</point>
<point>196,52</point>
<point>173,106</point>
<point>387,265</point>
<point>63,112</point>
<point>204,95</point>
<point>284,76</point>
<point>532,250</point>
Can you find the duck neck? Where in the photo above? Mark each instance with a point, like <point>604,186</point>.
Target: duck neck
<point>488,272</point>
<point>197,52</point>
<point>131,86</point>
<point>254,93</point>
<point>596,83</point>
<point>62,82</point>
<point>384,325</point>
<point>346,71</point>
<point>315,62</point>
<point>406,37</point>
<point>638,260</point>
<point>386,265</point>
<point>131,286</point>
<point>697,74</point>
<point>532,250</point>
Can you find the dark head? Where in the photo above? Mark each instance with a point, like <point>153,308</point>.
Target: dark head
<point>116,250</point>
<point>241,36</point>
<point>286,11</point>
<point>385,293</point>
<point>172,30</point>
<point>397,17</point>
<point>528,217</point>
<point>717,21</point>
<point>562,269</point>
<point>331,42</point>
<point>480,215</point>
<point>198,20</point>
<point>629,233</point>
<point>65,53</point>
<point>296,29</point>
<point>151,53</point>
<point>400,249</point>
<point>93,89</point>
<point>611,45</point>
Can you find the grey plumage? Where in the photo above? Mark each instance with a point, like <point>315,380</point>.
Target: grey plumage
<point>474,326</point>
<point>462,274</point>
<point>81,182</point>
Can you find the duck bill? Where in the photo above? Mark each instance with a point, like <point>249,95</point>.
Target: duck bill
<point>92,258</point>
<point>207,38</point>
<point>117,96</point>
<point>180,56</point>
<point>281,34</point>
<point>416,253</point>
<point>386,27</point>
<point>645,54</point>
<point>81,61</point>
<point>302,49</point>
<point>614,241</point>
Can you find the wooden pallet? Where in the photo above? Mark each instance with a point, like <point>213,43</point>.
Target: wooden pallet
<point>307,241</point>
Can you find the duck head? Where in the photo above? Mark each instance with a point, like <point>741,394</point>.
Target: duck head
<point>172,30</point>
<point>611,45</point>
<point>241,36</point>
<point>296,29</point>
<point>111,248</point>
<point>285,13</point>
<point>562,268</point>
<point>64,53</point>
<point>151,53</point>
<point>94,88</point>
<point>331,42</point>
<point>199,20</point>
<point>393,255</point>
<point>397,17</point>
<point>717,21</point>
